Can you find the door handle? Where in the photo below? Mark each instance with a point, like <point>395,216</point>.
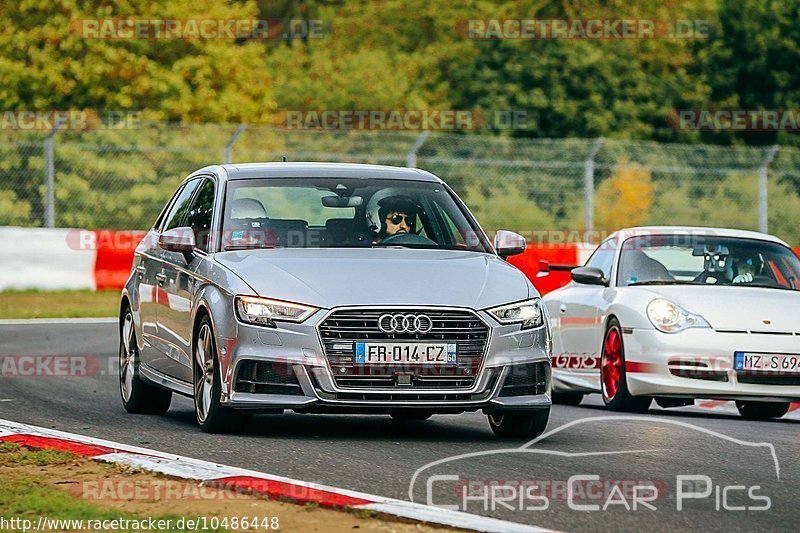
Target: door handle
<point>161,278</point>
<point>563,308</point>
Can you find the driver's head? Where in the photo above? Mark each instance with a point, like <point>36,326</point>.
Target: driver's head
<point>397,215</point>
<point>749,264</point>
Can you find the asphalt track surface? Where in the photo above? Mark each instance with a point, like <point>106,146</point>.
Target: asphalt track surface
<point>377,455</point>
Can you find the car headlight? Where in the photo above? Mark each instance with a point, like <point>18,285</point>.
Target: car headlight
<point>264,311</point>
<point>671,318</point>
<point>528,313</point>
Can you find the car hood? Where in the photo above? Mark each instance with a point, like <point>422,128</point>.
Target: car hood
<point>738,308</point>
<point>331,277</point>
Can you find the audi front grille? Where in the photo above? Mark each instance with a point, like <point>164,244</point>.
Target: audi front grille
<point>342,329</point>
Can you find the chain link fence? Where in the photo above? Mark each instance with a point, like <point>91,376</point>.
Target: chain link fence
<point>120,178</point>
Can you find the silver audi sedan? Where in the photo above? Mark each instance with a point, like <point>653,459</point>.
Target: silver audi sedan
<point>331,288</point>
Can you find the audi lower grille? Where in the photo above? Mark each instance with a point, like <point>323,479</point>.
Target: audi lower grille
<point>343,329</point>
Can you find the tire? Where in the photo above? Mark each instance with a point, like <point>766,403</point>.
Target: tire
<point>613,378</point>
<point>138,397</point>
<point>528,424</point>
<point>212,417</point>
<point>568,398</point>
<point>408,416</point>
<point>762,410</point>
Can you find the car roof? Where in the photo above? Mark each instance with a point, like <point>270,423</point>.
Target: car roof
<point>316,170</point>
<point>700,230</point>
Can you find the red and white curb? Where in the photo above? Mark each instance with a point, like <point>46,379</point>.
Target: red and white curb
<point>213,474</point>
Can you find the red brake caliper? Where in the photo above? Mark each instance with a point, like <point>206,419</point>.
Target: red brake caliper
<point>612,363</point>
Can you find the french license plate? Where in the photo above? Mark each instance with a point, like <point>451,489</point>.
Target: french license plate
<point>405,353</point>
<point>766,362</point>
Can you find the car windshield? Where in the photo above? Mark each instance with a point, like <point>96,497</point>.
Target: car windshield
<point>706,260</point>
<point>345,212</point>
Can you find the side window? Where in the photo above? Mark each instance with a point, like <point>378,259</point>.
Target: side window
<point>603,257</point>
<point>178,210</point>
<point>199,214</point>
<point>165,209</point>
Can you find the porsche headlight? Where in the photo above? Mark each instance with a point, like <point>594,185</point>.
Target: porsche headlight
<point>264,311</point>
<point>528,313</point>
<point>671,318</point>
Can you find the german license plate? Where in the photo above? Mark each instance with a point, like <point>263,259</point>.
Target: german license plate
<point>767,362</point>
<point>405,353</point>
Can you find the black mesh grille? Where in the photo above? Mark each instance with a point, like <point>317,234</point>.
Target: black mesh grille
<point>525,380</point>
<point>341,330</point>
<point>762,379</point>
<point>266,377</point>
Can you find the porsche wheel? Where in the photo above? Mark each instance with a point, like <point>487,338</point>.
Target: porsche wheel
<point>525,424</point>
<point>613,379</point>
<point>568,398</point>
<point>762,410</point>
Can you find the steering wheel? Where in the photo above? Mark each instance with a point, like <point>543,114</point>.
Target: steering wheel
<point>408,239</point>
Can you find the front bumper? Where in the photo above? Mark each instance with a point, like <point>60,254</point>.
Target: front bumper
<point>698,363</point>
<point>294,354</point>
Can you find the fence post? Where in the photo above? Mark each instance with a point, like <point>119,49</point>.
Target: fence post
<point>588,183</point>
<point>227,157</point>
<point>411,156</point>
<point>50,174</point>
<point>763,189</point>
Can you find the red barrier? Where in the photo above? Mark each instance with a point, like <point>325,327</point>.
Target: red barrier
<point>556,254</point>
<point>114,257</point>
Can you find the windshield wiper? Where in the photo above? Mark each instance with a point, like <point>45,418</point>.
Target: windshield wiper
<point>393,245</point>
<point>234,248</point>
<point>763,286</point>
<point>661,282</point>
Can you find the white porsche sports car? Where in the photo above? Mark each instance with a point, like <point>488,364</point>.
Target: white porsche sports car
<point>678,313</point>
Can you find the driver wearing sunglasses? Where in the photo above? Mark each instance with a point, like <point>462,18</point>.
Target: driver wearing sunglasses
<point>397,216</point>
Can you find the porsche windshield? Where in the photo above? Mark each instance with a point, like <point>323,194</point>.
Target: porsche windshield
<point>342,212</point>
<point>705,260</point>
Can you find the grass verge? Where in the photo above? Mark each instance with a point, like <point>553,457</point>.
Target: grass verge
<point>58,304</point>
<point>61,486</point>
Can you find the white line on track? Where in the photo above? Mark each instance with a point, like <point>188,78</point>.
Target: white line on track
<point>37,321</point>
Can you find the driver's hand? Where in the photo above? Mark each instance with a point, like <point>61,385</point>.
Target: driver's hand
<point>743,278</point>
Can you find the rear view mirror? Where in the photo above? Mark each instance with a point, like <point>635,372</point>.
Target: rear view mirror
<point>177,240</point>
<point>589,276</point>
<point>508,243</point>
<point>342,201</point>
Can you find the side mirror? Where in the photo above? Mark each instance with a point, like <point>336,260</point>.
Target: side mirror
<point>508,243</point>
<point>589,276</point>
<point>544,268</point>
<point>177,240</point>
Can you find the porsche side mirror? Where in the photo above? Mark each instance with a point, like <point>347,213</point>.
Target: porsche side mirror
<point>546,267</point>
<point>589,276</point>
<point>508,243</point>
<point>177,240</point>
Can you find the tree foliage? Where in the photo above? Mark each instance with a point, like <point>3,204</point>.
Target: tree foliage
<point>625,198</point>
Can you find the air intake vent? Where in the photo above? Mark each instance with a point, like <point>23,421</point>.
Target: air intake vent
<point>525,380</point>
<point>266,377</point>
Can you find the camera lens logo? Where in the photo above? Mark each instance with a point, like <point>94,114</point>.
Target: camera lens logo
<point>400,323</point>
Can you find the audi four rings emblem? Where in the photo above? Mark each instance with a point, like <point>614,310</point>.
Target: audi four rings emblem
<point>400,323</point>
